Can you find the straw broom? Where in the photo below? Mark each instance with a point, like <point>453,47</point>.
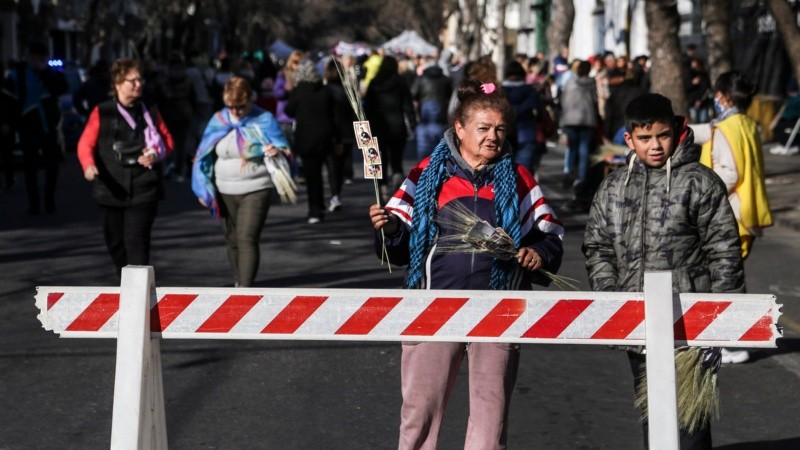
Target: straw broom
<point>698,393</point>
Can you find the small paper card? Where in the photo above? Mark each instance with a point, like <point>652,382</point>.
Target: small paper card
<point>363,133</point>
<point>373,171</point>
<point>372,154</point>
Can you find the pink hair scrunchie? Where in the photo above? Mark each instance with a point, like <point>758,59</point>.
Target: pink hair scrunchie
<point>488,88</point>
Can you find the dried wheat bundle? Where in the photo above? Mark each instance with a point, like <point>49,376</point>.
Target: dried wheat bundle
<point>475,234</point>
<point>278,168</point>
<point>698,396</point>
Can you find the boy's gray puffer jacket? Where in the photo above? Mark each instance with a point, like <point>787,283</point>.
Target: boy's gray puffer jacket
<point>676,218</point>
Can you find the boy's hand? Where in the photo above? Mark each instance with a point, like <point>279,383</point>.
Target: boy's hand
<point>529,259</point>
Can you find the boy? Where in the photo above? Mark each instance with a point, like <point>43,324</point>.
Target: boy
<point>664,211</point>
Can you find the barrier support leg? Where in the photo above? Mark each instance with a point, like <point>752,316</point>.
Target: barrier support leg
<point>138,420</point>
<point>662,397</point>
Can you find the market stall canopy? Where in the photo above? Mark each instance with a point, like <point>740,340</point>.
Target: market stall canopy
<point>281,49</point>
<point>409,39</point>
<point>352,48</point>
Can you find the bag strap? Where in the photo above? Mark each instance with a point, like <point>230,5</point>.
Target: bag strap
<point>108,120</point>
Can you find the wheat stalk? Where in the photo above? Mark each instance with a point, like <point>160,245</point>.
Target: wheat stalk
<point>474,234</point>
<point>350,86</point>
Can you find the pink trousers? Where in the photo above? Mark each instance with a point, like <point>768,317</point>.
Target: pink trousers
<point>428,372</point>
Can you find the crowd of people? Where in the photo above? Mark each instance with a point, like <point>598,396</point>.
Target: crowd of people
<point>478,134</point>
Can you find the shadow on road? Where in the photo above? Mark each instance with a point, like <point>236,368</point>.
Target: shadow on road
<point>781,444</point>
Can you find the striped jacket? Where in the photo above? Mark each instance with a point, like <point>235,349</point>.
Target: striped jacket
<point>540,228</point>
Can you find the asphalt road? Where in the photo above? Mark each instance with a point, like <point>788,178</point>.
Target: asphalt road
<point>57,393</point>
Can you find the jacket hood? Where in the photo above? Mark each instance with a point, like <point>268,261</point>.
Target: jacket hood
<point>585,81</point>
<point>433,71</point>
<point>386,84</point>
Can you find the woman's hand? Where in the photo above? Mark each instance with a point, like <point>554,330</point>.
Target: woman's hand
<point>529,259</point>
<point>202,202</point>
<point>147,158</point>
<point>381,220</point>
<point>270,150</point>
<point>91,173</point>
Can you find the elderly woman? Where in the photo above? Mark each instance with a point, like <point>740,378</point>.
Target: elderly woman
<point>471,169</point>
<point>120,151</point>
<point>230,175</point>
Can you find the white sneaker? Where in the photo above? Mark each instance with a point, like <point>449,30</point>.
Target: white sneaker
<point>781,150</point>
<point>336,204</point>
<point>314,220</point>
<point>734,356</point>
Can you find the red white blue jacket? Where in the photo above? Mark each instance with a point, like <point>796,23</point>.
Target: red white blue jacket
<point>540,228</point>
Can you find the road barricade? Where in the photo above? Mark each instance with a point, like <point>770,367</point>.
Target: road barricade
<point>138,315</point>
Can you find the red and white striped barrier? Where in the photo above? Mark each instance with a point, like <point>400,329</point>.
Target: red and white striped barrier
<point>396,315</point>
<point>138,315</point>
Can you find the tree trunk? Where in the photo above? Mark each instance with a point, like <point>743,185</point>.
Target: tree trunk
<point>717,20</point>
<point>469,29</point>
<point>500,38</point>
<point>560,29</point>
<point>665,51</point>
<point>785,20</point>
<point>89,33</point>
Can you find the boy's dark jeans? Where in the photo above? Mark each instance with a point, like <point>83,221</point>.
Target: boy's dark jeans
<point>699,440</point>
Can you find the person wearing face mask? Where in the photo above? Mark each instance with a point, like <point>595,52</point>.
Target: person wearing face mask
<point>732,148</point>
<point>230,175</point>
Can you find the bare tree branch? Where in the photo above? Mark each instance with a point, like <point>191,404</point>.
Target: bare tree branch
<point>717,20</point>
<point>786,21</point>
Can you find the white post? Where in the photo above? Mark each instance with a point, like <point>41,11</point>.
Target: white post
<point>662,398</point>
<point>138,420</point>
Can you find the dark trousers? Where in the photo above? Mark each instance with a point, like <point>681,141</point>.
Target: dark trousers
<point>337,163</point>
<point>312,171</point>
<point>7,159</point>
<point>127,233</point>
<point>181,132</point>
<point>699,440</point>
<point>40,150</point>
<point>243,219</point>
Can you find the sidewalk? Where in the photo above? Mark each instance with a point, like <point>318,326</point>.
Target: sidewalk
<point>783,187</point>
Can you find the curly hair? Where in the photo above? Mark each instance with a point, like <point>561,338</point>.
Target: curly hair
<point>122,67</point>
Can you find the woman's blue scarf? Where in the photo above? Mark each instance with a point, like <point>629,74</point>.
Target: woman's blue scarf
<point>248,139</point>
<point>423,226</point>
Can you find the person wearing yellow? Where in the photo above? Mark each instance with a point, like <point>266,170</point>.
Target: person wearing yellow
<point>732,148</point>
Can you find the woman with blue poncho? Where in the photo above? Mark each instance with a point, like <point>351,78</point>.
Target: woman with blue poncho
<point>470,174</point>
<point>230,175</point>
